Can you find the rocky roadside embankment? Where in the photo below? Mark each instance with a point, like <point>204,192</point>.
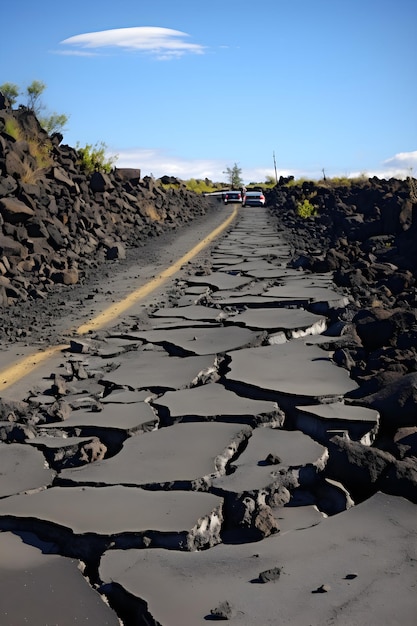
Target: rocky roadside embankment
<point>58,223</point>
<point>366,235</point>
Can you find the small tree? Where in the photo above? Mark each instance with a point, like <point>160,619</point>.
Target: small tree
<point>234,176</point>
<point>54,123</point>
<point>33,93</point>
<point>51,123</point>
<point>10,91</point>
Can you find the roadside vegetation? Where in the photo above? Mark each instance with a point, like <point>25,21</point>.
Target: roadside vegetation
<point>93,158</point>
<point>202,186</point>
<point>32,99</point>
<point>306,209</point>
<point>307,190</point>
<point>39,151</point>
<point>330,183</point>
<point>234,176</point>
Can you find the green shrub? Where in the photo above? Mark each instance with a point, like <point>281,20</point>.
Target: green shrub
<point>306,209</point>
<point>199,186</point>
<point>167,186</point>
<point>93,158</point>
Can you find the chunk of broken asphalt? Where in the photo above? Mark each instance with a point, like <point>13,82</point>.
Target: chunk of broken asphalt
<point>270,575</point>
<point>224,611</point>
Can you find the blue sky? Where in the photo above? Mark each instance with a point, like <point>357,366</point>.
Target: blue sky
<point>189,88</point>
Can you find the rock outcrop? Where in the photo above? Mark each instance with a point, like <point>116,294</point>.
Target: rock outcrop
<point>57,221</point>
<point>365,234</point>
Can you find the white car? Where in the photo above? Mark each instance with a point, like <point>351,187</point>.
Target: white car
<point>253,198</point>
<point>232,196</point>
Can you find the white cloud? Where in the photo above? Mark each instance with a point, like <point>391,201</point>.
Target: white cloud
<point>404,161</point>
<point>160,163</point>
<point>162,43</point>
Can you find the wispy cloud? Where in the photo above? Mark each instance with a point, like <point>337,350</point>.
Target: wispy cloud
<point>75,53</point>
<point>161,43</point>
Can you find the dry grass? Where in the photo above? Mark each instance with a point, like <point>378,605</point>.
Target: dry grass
<point>12,128</point>
<point>30,175</point>
<point>39,151</point>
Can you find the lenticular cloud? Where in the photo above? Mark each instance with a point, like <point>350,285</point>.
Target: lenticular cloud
<point>160,42</point>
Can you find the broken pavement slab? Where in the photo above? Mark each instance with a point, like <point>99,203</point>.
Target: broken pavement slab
<point>126,418</point>
<point>298,517</point>
<point>269,455</point>
<point>83,519</point>
<point>376,540</point>
<point>158,370</point>
<point>306,293</point>
<point>41,588</point>
<point>281,319</point>
<point>180,456</point>
<point>220,281</point>
<point>214,402</point>
<point>322,421</point>
<point>125,396</point>
<point>292,368</point>
<point>200,341</point>
<point>193,313</point>
<point>22,468</point>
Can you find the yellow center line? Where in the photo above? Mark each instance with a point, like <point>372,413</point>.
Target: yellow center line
<point>26,365</point>
<point>20,369</point>
<point>114,310</point>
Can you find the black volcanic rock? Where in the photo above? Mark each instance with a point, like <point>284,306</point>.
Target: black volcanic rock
<point>57,221</point>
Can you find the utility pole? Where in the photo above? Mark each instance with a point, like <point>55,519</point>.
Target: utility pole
<point>275,168</point>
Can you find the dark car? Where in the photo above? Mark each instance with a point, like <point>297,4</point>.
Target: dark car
<point>253,198</point>
<point>232,196</point>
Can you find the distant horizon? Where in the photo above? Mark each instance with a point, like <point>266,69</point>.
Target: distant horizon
<point>401,175</point>
<point>363,176</point>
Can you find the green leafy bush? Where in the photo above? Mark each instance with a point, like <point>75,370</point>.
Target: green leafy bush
<point>306,209</point>
<point>93,158</point>
<point>199,186</point>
